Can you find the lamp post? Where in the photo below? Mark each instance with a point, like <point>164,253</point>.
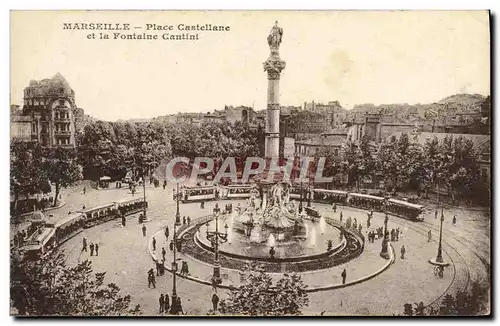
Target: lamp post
<point>309,193</point>
<point>175,307</point>
<point>215,238</point>
<point>439,257</point>
<point>384,252</point>
<point>144,192</point>
<point>301,191</point>
<point>177,213</point>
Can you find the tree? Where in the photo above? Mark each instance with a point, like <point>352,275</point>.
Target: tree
<point>47,287</point>
<point>61,168</point>
<point>27,176</point>
<point>258,296</point>
<point>332,162</point>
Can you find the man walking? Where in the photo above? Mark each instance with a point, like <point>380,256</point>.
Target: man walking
<point>429,236</point>
<point>454,220</point>
<point>84,248</point>
<point>91,249</point>
<point>161,301</point>
<point>144,230</point>
<point>344,275</point>
<point>403,251</point>
<point>154,244</point>
<point>183,220</point>
<point>189,220</point>
<point>166,233</point>
<point>163,252</point>
<point>166,303</point>
<point>171,245</point>
<point>215,301</point>
<point>96,249</point>
<point>436,214</point>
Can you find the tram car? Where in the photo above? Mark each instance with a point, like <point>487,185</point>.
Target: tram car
<point>365,201</point>
<point>39,242</point>
<point>99,214</point>
<point>131,206</point>
<point>295,191</point>
<point>198,193</point>
<point>237,191</point>
<point>330,196</point>
<point>68,227</point>
<point>404,209</point>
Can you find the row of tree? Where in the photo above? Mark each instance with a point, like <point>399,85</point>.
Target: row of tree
<point>404,165</point>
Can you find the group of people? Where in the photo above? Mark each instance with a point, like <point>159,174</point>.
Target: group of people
<point>94,247</point>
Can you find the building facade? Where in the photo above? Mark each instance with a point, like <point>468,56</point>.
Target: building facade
<point>50,109</point>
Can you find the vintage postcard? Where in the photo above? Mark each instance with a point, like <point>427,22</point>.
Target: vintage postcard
<point>250,163</point>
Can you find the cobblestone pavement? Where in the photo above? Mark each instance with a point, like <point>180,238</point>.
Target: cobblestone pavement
<point>123,254</point>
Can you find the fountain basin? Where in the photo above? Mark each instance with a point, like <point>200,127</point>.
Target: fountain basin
<point>291,249</point>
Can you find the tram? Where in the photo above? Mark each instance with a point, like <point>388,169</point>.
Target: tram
<point>237,191</point>
<point>366,201</point>
<point>68,227</point>
<point>198,193</point>
<point>329,196</point>
<point>131,206</point>
<point>39,242</point>
<point>404,209</point>
<point>99,214</point>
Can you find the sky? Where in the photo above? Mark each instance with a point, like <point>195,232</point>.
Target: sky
<point>353,57</point>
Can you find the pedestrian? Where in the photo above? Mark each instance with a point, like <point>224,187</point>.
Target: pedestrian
<point>398,233</point>
<point>392,235</point>
<point>163,252</point>
<point>124,221</point>
<point>341,217</point>
<point>161,301</point>
<point>153,280</point>
<point>84,248</point>
<point>171,245</point>
<point>167,233</point>
<point>202,205</point>
<point>189,220</point>
<point>334,207</point>
<point>215,301</point>
<point>83,207</point>
<point>183,220</point>
<point>164,184</point>
<point>158,268</point>
<point>403,251</point>
<point>144,230</point>
<point>454,220</point>
<point>91,249</point>
<point>436,214</point>
<point>344,275</point>
<point>179,305</point>
<point>360,227</point>
<point>96,249</point>
<point>166,303</point>
<point>154,244</point>
<point>429,236</point>
<point>84,190</point>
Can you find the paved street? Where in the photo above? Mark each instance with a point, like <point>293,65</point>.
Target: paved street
<point>123,254</point>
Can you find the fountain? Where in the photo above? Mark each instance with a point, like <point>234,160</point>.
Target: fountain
<point>312,238</point>
<point>271,242</point>
<point>322,224</point>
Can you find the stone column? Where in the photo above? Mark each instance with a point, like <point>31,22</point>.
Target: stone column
<point>273,66</point>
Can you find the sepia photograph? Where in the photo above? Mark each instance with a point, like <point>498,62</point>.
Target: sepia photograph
<point>176,163</point>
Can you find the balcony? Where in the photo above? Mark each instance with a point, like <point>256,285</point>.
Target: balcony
<point>62,132</point>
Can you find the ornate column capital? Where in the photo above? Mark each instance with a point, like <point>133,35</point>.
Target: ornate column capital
<point>274,67</point>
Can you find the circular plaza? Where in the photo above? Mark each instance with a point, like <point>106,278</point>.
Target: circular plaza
<point>372,283</point>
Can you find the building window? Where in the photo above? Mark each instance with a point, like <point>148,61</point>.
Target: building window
<point>336,151</point>
<point>61,102</point>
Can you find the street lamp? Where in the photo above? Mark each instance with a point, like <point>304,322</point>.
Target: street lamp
<point>177,213</point>
<point>301,191</point>
<point>144,192</point>
<point>176,307</point>
<point>384,252</point>
<point>439,258</point>
<point>215,238</point>
<point>309,193</point>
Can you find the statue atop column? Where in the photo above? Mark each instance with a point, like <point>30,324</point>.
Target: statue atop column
<point>275,37</point>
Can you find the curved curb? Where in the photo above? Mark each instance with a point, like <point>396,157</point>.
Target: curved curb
<point>63,203</point>
<point>308,290</point>
<point>434,262</point>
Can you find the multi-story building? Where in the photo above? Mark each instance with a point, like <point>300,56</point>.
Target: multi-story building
<point>50,108</point>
